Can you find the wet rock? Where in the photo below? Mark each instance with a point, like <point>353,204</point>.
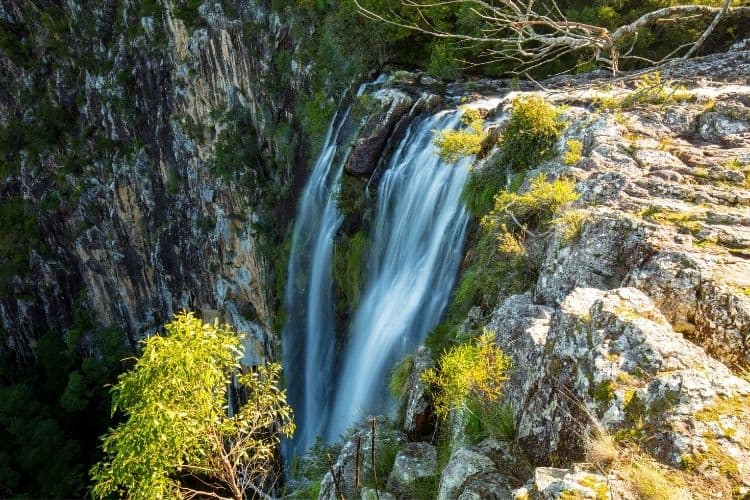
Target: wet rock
<point>368,148</point>
<point>416,461</point>
<point>419,419</point>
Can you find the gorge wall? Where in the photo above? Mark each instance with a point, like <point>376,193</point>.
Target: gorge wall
<point>151,161</point>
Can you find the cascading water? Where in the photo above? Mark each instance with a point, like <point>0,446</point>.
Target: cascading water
<point>308,336</point>
<point>417,243</point>
<point>308,339</point>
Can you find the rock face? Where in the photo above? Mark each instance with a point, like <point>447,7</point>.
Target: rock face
<point>419,417</point>
<point>488,470</point>
<point>143,222</point>
<point>613,355</point>
<point>416,461</point>
<point>377,129</point>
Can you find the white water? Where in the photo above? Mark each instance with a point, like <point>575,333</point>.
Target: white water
<point>308,337</point>
<point>416,248</point>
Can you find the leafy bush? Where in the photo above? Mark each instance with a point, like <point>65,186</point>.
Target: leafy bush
<point>531,133</point>
<point>443,64</point>
<point>535,207</point>
<point>455,144</point>
<point>573,153</point>
<point>649,89</point>
<point>471,372</point>
<point>175,404</point>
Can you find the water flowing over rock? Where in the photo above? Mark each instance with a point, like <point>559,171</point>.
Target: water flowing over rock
<point>417,241</point>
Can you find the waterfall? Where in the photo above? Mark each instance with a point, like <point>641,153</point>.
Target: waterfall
<point>308,338</point>
<point>416,242</point>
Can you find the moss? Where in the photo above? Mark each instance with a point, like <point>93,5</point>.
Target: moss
<point>603,393</point>
<point>713,457</point>
<point>399,381</point>
<point>349,254</point>
<point>363,106</point>
<point>350,196</point>
<point>482,186</point>
<point>687,221</point>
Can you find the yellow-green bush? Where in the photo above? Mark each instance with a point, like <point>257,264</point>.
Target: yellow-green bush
<point>534,207</point>
<point>574,151</point>
<point>531,133</point>
<point>455,144</point>
<point>474,371</point>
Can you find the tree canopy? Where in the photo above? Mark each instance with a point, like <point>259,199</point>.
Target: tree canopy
<point>179,437</point>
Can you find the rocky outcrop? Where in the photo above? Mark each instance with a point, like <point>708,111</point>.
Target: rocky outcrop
<point>416,461</point>
<point>611,356</point>
<point>419,419</point>
<point>378,127</point>
<point>489,470</point>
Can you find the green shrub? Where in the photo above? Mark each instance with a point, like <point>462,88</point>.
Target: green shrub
<point>19,235</point>
<point>471,372</point>
<point>649,89</point>
<point>456,144</point>
<point>399,381</point>
<point>531,133</point>
<point>536,207</point>
<point>481,187</point>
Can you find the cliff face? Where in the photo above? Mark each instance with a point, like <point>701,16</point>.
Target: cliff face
<point>151,161</point>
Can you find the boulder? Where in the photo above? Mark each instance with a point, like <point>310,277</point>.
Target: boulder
<point>416,461</point>
<point>550,483</point>
<point>487,486</point>
<point>463,464</point>
<point>373,494</point>
<point>372,140</point>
